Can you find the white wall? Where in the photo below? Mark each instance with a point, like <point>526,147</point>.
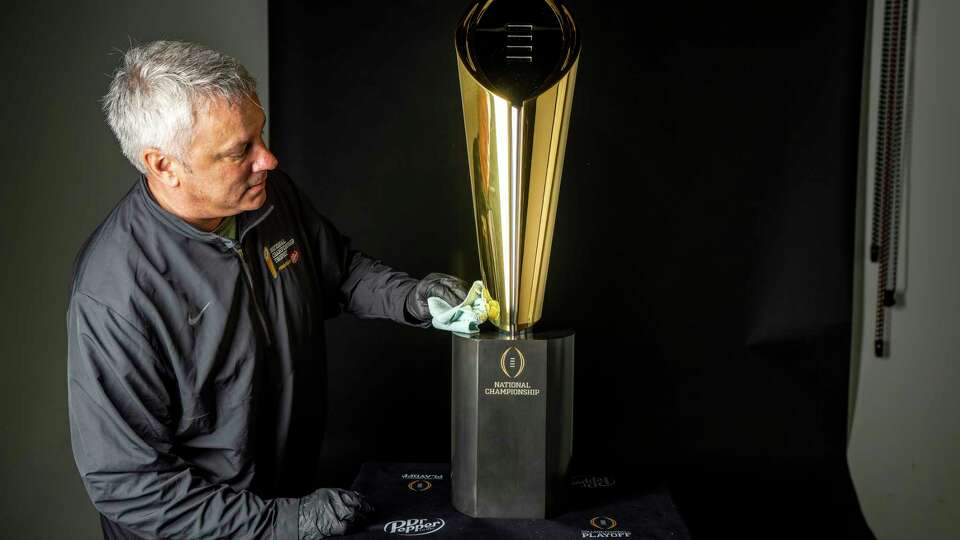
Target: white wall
<point>904,448</point>
<point>62,171</point>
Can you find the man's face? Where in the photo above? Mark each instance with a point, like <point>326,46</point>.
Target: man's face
<point>227,160</point>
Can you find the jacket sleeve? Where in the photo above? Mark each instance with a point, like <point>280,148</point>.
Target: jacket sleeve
<point>373,290</point>
<point>362,285</point>
<point>122,420</point>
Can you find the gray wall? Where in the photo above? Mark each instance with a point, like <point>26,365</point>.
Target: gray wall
<point>904,448</point>
<point>62,172</point>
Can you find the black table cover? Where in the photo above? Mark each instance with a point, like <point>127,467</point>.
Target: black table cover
<point>413,499</point>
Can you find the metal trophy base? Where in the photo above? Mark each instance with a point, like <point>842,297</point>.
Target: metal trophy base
<point>511,422</point>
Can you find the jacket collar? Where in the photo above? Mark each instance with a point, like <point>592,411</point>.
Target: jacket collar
<point>245,220</point>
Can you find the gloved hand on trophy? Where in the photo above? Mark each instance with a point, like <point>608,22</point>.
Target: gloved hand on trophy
<point>451,305</point>
<point>450,289</point>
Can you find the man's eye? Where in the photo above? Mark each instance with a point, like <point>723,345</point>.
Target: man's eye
<point>242,152</point>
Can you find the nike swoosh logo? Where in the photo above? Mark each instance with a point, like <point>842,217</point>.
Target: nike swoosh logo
<point>196,318</point>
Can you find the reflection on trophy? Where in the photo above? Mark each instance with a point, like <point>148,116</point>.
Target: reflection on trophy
<point>512,390</point>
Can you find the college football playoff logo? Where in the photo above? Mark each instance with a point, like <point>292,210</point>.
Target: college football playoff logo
<point>512,362</point>
<point>419,485</point>
<point>603,523</point>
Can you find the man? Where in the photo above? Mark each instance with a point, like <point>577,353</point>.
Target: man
<point>195,320</point>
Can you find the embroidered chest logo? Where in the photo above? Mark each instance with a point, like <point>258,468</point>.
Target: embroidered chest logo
<point>280,255</point>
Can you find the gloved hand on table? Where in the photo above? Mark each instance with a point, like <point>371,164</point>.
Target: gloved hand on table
<point>330,512</point>
<point>450,288</point>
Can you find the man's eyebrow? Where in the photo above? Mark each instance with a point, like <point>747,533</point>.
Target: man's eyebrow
<point>237,146</point>
<point>234,148</point>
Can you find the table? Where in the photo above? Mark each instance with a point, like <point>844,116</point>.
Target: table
<point>413,499</point>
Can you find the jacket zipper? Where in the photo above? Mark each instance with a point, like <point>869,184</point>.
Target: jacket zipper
<point>246,271</point>
<point>253,293</point>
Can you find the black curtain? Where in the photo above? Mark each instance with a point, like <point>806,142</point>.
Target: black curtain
<point>704,241</point>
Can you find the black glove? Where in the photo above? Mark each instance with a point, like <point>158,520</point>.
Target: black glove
<point>330,511</point>
<point>450,288</point>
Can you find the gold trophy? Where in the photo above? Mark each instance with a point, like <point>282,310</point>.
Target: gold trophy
<point>516,82</point>
<point>512,394</point>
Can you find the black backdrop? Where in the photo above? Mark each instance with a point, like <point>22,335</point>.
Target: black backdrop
<point>704,242</point>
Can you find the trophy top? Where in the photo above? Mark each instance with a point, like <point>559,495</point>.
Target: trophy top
<point>517,49</point>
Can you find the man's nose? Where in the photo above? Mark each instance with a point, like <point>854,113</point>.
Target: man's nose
<point>266,161</point>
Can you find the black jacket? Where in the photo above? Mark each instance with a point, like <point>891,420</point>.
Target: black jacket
<point>196,365</point>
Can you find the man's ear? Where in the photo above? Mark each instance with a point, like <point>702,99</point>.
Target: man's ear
<point>161,166</point>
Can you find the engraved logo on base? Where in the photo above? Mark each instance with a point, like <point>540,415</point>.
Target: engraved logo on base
<point>512,362</point>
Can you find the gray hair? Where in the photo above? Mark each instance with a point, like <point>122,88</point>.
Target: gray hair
<point>159,87</point>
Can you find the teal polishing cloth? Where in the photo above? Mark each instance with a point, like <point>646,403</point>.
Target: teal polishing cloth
<point>465,317</point>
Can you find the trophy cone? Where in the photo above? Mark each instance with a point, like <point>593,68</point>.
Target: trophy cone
<point>518,64</point>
